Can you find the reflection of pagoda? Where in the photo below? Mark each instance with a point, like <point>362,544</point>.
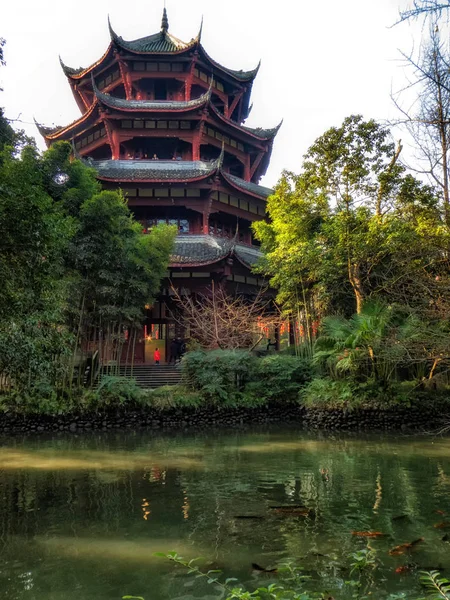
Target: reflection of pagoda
<point>163,121</point>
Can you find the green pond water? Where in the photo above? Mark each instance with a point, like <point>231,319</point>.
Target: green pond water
<point>82,516</point>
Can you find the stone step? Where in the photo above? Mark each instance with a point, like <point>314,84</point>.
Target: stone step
<point>146,376</point>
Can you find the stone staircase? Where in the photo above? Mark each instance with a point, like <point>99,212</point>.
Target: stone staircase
<point>146,376</point>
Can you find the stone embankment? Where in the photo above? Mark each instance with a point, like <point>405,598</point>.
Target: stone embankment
<point>417,418</point>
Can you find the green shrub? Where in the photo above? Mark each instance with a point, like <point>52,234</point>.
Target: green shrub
<point>239,378</point>
<point>172,396</point>
<point>219,376</point>
<point>348,393</point>
<point>278,378</point>
<point>113,392</point>
<point>331,393</point>
<point>36,401</point>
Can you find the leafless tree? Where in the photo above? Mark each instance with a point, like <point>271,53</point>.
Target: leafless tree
<point>217,319</point>
<point>427,119</point>
<point>424,8</point>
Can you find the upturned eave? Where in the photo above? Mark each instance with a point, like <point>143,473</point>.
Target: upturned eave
<point>59,133</point>
<point>77,74</point>
<point>248,187</point>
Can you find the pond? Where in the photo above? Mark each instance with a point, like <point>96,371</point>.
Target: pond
<point>82,516</point>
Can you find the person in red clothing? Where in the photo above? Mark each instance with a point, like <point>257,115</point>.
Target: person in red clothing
<point>156,356</point>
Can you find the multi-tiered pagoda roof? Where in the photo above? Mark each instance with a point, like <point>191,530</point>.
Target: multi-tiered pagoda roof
<point>165,122</point>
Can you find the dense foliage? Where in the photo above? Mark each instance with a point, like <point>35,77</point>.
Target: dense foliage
<point>361,247</point>
<point>73,264</point>
<point>353,226</point>
<point>239,378</point>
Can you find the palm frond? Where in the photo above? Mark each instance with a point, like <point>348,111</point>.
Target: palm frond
<point>437,587</point>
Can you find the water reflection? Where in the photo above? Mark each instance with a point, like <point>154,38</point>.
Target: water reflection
<point>82,516</point>
<point>113,550</point>
<point>49,460</point>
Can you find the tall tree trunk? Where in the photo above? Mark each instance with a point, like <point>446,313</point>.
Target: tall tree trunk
<point>355,281</point>
<point>77,339</point>
<point>442,125</point>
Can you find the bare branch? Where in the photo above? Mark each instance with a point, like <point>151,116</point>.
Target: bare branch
<point>217,319</point>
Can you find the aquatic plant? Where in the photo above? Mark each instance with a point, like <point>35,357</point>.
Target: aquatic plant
<point>293,579</point>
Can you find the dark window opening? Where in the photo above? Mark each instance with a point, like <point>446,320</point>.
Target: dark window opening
<point>102,153</point>
<point>156,149</point>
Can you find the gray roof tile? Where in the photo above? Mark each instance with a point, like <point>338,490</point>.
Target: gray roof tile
<point>207,249</point>
<point>249,255</point>
<point>157,105</point>
<point>248,186</point>
<point>170,170</point>
<point>199,249</point>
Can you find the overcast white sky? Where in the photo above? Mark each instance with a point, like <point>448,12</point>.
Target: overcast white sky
<point>321,61</point>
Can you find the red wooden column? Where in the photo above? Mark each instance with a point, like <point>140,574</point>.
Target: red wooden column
<point>205,221</point>
<point>197,138</point>
<point>115,145</point>
<point>208,204</point>
<point>196,146</point>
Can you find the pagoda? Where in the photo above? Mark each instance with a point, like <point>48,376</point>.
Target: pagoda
<point>164,122</point>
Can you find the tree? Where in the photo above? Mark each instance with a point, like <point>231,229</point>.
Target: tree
<point>2,57</point>
<point>351,227</point>
<point>369,345</point>
<point>69,181</point>
<point>350,172</point>
<point>7,134</point>
<point>119,269</point>
<point>428,120</point>
<point>354,164</point>
<point>34,235</point>
<point>217,319</point>
<point>424,8</point>
<point>72,261</point>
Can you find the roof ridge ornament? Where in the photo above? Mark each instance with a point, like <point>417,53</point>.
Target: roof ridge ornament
<point>198,39</point>
<point>164,22</point>
<point>219,161</point>
<point>44,130</point>
<point>112,33</point>
<point>209,92</point>
<point>68,71</point>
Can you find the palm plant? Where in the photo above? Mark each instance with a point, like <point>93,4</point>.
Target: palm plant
<point>369,345</point>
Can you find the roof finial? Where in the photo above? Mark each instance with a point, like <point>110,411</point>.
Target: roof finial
<point>199,35</point>
<point>164,21</point>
